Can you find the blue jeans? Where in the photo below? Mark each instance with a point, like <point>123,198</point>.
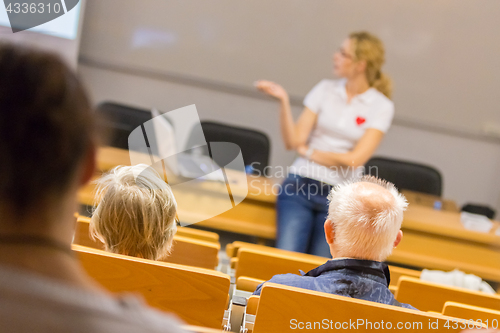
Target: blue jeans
<point>302,209</point>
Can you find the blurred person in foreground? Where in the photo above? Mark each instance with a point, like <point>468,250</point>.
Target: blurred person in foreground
<point>363,226</point>
<point>47,152</point>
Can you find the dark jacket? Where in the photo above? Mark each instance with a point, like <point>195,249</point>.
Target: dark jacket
<point>362,279</point>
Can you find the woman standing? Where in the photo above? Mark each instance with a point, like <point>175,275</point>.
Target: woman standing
<point>342,125</point>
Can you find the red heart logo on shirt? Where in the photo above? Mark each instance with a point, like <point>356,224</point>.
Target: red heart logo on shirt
<point>360,120</point>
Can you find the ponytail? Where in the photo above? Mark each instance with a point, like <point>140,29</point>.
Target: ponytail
<point>370,49</point>
<point>383,83</point>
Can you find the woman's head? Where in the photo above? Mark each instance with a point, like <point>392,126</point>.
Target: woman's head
<point>363,54</point>
<point>136,212</point>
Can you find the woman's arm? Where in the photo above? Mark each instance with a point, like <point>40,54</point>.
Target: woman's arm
<point>294,134</point>
<point>363,151</point>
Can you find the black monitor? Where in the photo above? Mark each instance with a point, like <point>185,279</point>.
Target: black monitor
<point>117,121</point>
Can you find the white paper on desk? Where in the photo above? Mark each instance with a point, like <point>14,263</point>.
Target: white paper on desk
<point>476,222</point>
<point>165,140</point>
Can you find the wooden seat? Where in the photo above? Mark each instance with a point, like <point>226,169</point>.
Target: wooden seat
<point>245,283</point>
<point>393,289</point>
<point>232,250</point>
<point>288,309</point>
<point>185,250</point>
<point>397,272</point>
<point>429,296</point>
<point>465,311</point>
<point>194,252</point>
<point>264,265</point>
<point>252,304</point>
<point>490,317</point>
<point>199,329</point>
<point>262,262</point>
<point>198,296</point>
<point>203,235</point>
<point>82,235</point>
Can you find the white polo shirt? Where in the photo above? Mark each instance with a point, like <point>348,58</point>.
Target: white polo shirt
<point>340,125</point>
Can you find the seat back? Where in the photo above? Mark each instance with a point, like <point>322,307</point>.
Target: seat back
<point>233,248</point>
<point>248,284</point>
<point>194,252</point>
<point>199,329</point>
<point>429,296</point>
<point>185,250</point>
<point>288,309</point>
<point>198,296</point>
<point>263,262</point>
<point>82,234</point>
<point>406,175</point>
<point>207,236</point>
<point>117,121</point>
<point>254,145</point>
<point>398,272</point>
<point>264,265</point>
<point>467,312</point>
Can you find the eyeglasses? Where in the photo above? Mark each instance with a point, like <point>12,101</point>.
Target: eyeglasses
<point>344,54</point>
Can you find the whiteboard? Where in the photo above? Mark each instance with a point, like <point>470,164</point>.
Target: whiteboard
<point>443,55</point>
<point>61,35</point>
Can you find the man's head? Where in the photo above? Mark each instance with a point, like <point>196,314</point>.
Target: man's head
<point>135,212</point>
<point>364,219</point>
<point>46,131</point>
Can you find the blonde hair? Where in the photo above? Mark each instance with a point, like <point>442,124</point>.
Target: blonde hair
<point>135,214</point>
<point>366,215</point>
<point>369,48</point>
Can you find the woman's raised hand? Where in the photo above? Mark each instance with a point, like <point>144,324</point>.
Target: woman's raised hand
<point>272,89</point>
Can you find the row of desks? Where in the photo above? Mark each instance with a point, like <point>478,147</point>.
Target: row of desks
<point>432,239</point>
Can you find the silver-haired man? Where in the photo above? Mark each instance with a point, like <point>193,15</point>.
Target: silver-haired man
<point>363,226</point>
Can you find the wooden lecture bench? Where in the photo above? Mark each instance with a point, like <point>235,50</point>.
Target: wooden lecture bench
<point>466,311</point>
<point>198,296</point>
<point>430,296</point>
<point>255,264</point>
<point>288,309</point>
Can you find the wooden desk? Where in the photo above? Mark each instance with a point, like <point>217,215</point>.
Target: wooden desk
<point>259,188</point>
<point>255,215</point>
<point>432,239</point>
<point>437,240</point>
<point>428,200</point>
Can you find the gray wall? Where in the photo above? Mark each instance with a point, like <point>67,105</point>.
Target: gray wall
<point>442,54</point>
<point>435,92</point>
